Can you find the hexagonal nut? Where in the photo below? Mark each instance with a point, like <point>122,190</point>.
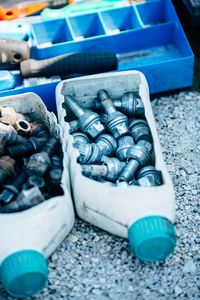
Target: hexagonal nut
<point>23,127</point>
<point>95,129</point>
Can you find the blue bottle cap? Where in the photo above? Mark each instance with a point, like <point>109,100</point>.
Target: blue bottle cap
<point>24,273</point>
<point>152,238</point>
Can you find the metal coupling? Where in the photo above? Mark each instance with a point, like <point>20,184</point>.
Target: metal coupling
<point>38,164</point>
<point>11,190</point>
<point>9,116</point>
<point>32,145</point>
<point>124,144</point>
<point>107,144</point>
<point>89,154</point>
<point>55,177</point>
<point>80,139</point>
<point>7,168</point>
<point>39,130</point>
<point>149,176</point>
<point>26,199</point>
<point>73,126</point>
<point>10,135</point>
<point>89,121</point>
<point>138,156</point>
<point>117,122</point>
<point>22,127</point>
<point>140,130</point>
<point>131,104</point>
<point>109,171</point>
<point>36,181</point>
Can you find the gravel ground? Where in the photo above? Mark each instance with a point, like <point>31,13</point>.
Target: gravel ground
<point>92,264</point>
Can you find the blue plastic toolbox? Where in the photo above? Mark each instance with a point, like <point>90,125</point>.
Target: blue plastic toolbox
<point>146,36</point>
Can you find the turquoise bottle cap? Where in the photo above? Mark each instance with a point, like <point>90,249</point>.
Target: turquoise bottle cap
<point>152,238</point>
<point>24,273</point>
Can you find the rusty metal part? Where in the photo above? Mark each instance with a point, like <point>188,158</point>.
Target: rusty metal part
<point>23,127</point>
<point>39,130</point>
<point>7,168</point>
<point>9,116</point>
<point>10,135</point>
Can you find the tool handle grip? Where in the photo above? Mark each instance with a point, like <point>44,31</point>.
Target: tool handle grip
<point>80,63</point>
<point>12,52</point>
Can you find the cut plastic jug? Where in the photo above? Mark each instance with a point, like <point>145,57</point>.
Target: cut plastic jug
<point>27,238</point>
<point>143,214</point>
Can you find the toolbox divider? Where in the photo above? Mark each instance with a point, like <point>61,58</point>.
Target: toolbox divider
<point>86,26</point>
<point>121,19</point>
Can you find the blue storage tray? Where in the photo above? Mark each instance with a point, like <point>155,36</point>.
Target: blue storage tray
<point>149,33</point>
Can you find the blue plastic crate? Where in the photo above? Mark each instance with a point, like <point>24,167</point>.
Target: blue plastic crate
<point>149,33</point>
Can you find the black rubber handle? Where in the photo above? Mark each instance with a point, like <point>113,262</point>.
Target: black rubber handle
<point>80,63</point>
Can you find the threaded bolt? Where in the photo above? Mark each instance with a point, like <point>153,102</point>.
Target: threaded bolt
<point>107,144</point>
<point>124,143</point>
<point>149,176</point>
<point>138,156</point>
<point>140,130</point>
<point>89,121</point>
<point>89,154</point>
<point>130,104</point>
<point>79,139</point>
<point>117,122</point>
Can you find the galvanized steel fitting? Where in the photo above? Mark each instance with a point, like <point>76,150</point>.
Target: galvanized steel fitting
<point>149,176</point>
<point>109,171</point>
<point>140,130</point>
<point>138,156</point>
<point>80,139</point>
<point>131,104</point>
<point>117,122</point>
<point>107,144</point>
<point>124,144</point>
<point>89,121</point>
<point>89,154</point>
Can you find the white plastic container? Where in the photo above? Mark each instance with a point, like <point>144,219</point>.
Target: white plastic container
<point>28,237</point>
<point>144,214</point>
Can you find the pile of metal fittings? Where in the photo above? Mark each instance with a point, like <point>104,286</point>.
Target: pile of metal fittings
<point>114,140</point>
<point>30,162</point>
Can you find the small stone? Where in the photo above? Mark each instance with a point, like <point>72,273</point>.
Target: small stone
<point>189,267</point>
<point>72,238</point>
<point>124,255</point>
<point>177,290</point>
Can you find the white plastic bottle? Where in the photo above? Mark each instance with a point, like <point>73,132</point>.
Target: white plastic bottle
<point>27,238</point>
<point>143,214</point>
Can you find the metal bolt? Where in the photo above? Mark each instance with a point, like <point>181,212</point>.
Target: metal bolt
<point>80,139</point>
<point>57,162</point>
<point>6,168</point>
<point>109,171</point>
<point>31,146</point>
<point>23,127</point>
<point>11,190</point>
<point>138,156</point>
<point>149,176</point>
<point>40,162</point>
<point>36,181</point>
<point>89,154</point>
<point>130,104</point>
<point>26,199</point>
<point>89,121</point>
<point>140,130</point>
<point>9,116</point>
<point>39,130</point>
<point>107,144</point>
<point>124,143</point>
<point>117,122</point>
<point>55,177</point>
<point>73,126</point>
<point>10,135</point>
